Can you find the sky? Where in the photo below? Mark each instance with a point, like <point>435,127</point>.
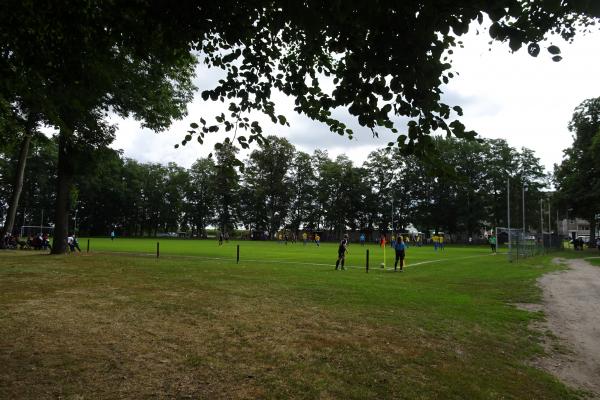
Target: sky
<point>527,101</point>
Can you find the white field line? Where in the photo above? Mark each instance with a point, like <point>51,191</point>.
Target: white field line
<point>279,261</point>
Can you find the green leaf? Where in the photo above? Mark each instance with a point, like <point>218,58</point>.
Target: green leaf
<point>281,119</point>
<point>533,49</point>
<point>194,125</point>
<point>554,50</point>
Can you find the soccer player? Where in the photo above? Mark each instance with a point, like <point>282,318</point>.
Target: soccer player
<point>220,238</point>
<point>71,243</point>
<point>342,252</point>
<point>317,239</point>
<point>492,241</point>
<point>76,243</point>
<point>112,235</point>
<point>441,242</point>
<point>362,239</point>
<point>304,237</point>
<point>400,248</point>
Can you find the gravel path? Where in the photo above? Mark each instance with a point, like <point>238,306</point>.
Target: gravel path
<point>572,307</point>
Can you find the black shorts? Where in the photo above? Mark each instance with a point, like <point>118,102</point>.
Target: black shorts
<point>341,253</point>
<point>399,254</point>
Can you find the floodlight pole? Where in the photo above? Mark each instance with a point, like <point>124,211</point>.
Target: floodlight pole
<point>549,225</point>
<point>523,196</point>
<point>508,217</point>
<point>542,218</point>
<point>392,211</point>
<point>557,229</point>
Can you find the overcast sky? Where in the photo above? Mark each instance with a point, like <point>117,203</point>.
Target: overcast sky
<point>527,101</point>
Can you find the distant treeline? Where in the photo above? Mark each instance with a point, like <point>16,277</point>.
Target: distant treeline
<point>460,187</point>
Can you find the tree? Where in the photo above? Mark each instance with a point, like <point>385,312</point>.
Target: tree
<point>303,183</point>
<point>21,128</point>
<point>73,63</point>
<point>227,185</point>
<point>201,195</point>
<point>385,59</point>
<point>381,173</point>
<point>38,181</point>
<point>85,60</point>
<point>578,176</point>
<point>267,183</point>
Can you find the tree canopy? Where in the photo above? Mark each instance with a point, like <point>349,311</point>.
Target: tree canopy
<point>74,63</point>
<point>380,61</point>
<point>578,175</point>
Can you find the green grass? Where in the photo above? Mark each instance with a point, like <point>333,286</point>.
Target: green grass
<point>280,324</point>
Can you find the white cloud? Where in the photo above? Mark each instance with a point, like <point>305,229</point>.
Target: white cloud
<point>527,101</point>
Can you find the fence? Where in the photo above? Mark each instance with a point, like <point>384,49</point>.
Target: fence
<point>521,244</point>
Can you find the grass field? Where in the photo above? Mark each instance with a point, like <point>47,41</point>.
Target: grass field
<point>280,324</point>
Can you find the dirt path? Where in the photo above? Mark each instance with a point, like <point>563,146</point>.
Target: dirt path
<point>572,307</point>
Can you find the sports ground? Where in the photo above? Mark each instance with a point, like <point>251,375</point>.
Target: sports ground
<point>193,323</point>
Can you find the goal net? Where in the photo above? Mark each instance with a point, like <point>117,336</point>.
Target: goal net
<point>522,244</point>
<point>27,230</point>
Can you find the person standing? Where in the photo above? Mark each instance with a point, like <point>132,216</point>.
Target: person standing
<point>342,249</point>
<point>75,243</point>
<point>362,239</point>
<point>598,243</point>
<point>304,237</point>
<point>400,248</point>
<point>492,241</point>
<point>71,243</point>
<point>317,239</point>
<point>112,235</point>
<point>220,238</point>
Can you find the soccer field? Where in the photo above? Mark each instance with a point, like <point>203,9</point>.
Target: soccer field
<point>275,252</point>
<point>280,324</point>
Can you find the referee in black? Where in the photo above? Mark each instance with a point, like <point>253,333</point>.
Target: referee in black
<point>342,253</point>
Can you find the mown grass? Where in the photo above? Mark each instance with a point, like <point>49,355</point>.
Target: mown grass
<point>194,324</point>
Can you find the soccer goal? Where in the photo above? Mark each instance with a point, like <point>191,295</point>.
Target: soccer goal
<point>27,230</point>
<point>523,244</point>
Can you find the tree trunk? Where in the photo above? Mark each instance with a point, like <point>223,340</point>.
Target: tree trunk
<point>18,186</point>
<point>63,191</point>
